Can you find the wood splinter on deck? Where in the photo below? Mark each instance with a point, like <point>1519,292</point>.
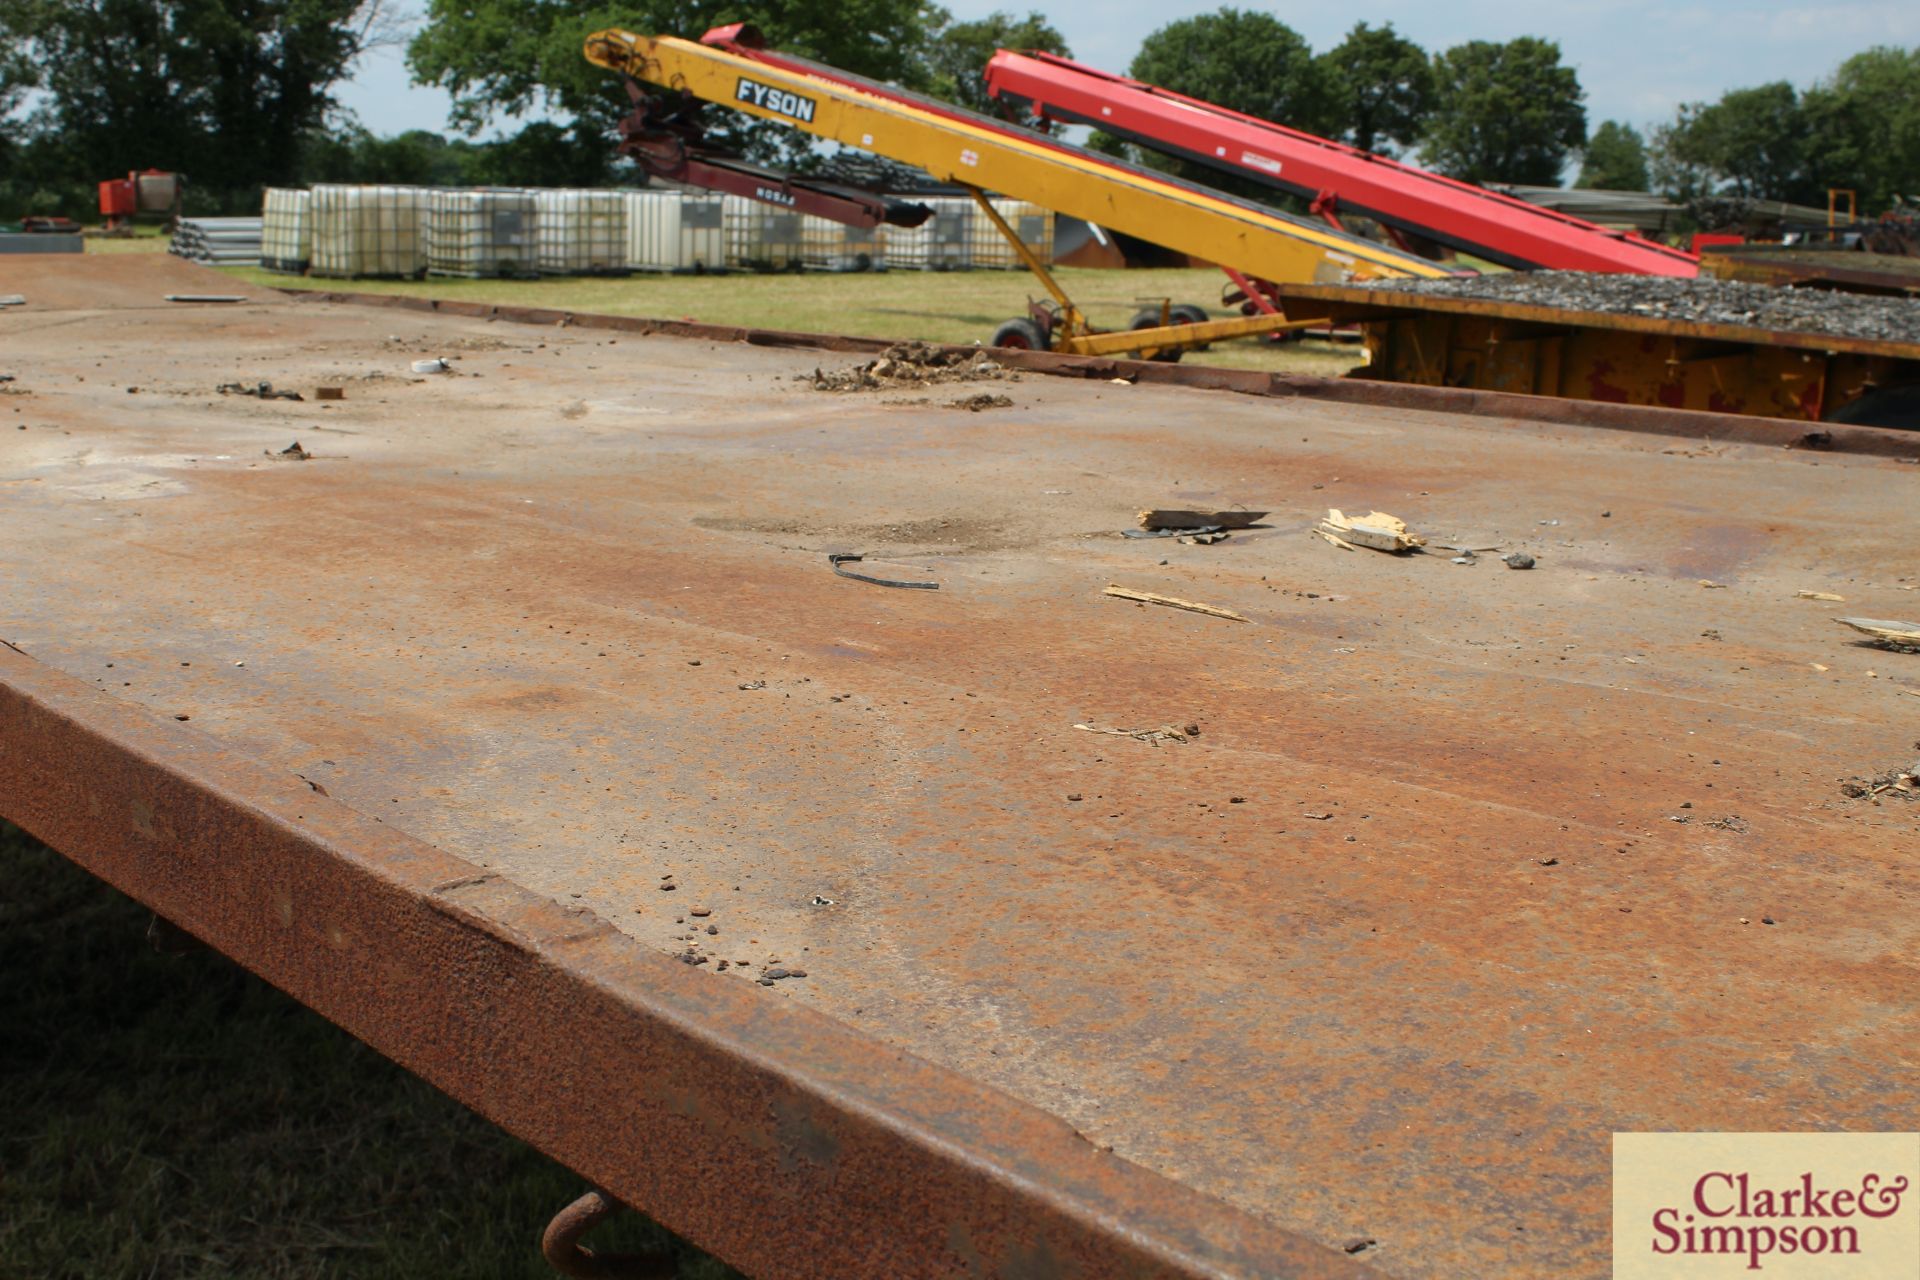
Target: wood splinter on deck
<point>1173,602</point>
<point>1375,530</point>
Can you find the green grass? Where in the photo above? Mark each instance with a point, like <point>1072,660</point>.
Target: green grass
<point>176,1117</point>
<point>957,306</point>
<point>147,237</point>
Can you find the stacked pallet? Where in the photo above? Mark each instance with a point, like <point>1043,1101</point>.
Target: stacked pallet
<point>217,241</point>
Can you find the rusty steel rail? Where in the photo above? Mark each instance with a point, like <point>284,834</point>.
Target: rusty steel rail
<point>784,1126</point>
<point>1492,404</point>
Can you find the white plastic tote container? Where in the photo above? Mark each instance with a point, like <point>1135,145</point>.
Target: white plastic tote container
<point>943,242</point>
<point>581,232</point>
<point>286,230</point>
<point>1030,222</point>
<point>826,245</point>
<point>675,231</point>
<point>484,232</point>
<point>762,237</point>
<point>369,230</point>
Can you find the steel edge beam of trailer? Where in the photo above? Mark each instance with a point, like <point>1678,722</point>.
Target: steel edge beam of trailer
<point>773,1136</point>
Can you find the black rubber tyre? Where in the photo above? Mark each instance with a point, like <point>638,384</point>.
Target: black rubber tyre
<point>1020,335</point>
<point>1190,313</point>
<point>1150,319</point>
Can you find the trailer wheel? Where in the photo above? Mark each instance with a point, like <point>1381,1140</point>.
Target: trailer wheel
<point>1150,319</point>
<point>1020,335</point>
<point>1189,313</point>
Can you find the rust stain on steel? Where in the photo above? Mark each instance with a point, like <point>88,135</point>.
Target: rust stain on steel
<point>1351,303</point>
<point>591,646</point>
<point>1851,272</point>
<point>1618,360</point>
<point>592,1048</point>
<point>1499,405</point>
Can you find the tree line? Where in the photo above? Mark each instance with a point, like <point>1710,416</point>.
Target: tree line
<point>242,94</point>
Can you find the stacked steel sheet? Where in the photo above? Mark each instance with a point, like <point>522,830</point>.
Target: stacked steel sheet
<point>217,241</point>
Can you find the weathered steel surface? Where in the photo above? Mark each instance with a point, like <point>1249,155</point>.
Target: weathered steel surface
<point>1514,347</point>
<point>1348,300</point>
<point>1871,273</point>
<point>1479,402</point>
<point>1403,991</point>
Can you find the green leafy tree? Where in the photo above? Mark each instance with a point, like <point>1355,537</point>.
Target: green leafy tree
<point>1675,168</point>
<point>223,90</point>
<point>1753,144</point>
<point>509,57</point>
<point>1615,159</point>
<point>1863,127</point>
<point>1505,112</point>
<point>1381,85</point>
<point>1243,60</point>
<point>17,75</point>
<point>957,54</point>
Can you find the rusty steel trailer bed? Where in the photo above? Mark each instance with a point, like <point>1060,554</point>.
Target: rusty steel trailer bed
<point>493,727</point>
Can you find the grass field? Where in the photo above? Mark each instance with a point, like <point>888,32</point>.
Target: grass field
<point>175,1117</point>
<point>962,306</point>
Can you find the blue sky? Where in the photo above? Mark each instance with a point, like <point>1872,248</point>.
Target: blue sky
<point>1636,59</point>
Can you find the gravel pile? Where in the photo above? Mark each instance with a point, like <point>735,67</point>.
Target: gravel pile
<point>910,364</point>
<point>1706,301</point>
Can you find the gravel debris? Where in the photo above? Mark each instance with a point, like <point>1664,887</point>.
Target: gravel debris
<point>913,364</point>
<point>1703,301</point>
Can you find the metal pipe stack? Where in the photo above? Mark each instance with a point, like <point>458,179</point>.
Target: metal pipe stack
<point>218,241</point>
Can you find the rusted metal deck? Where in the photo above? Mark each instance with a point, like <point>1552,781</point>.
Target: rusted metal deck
<point>1868,273</point>
<point>1509,346</point>
<point>1466,869</point>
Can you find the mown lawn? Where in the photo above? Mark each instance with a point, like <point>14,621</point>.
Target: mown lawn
<point>169,1117</point>
<point>957,306</point>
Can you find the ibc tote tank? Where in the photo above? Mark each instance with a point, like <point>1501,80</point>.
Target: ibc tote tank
<point>1030,222</point>
<point>762,237</point>
<point>834,246</point>
<point>675,231</point>
<point>483,232</point>
<point>369,230</point>
<point>581,232</point>
<point>943,242</point>
<point>286,230</point>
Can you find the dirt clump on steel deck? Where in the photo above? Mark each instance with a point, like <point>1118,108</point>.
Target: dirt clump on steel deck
<point>1698,301</point>
<point>910,364</point>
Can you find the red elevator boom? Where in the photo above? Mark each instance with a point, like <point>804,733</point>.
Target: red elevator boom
<point>1469,218</point>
